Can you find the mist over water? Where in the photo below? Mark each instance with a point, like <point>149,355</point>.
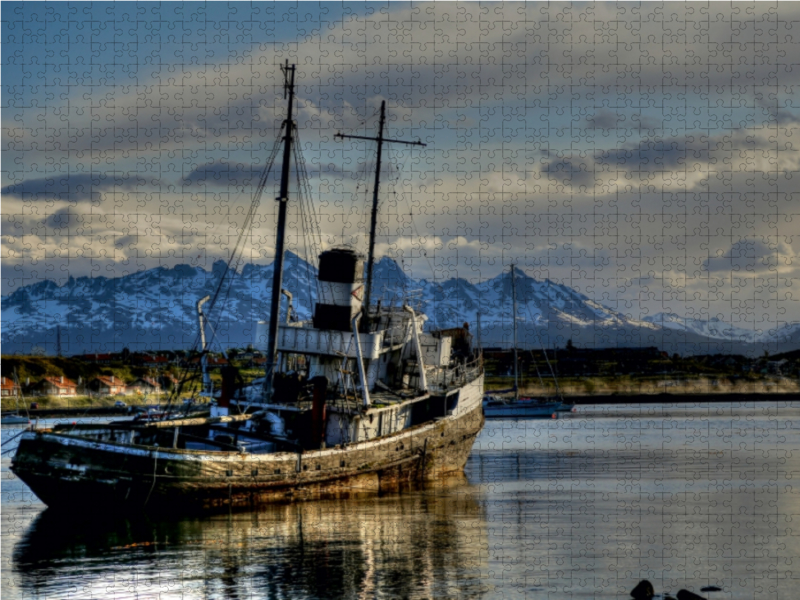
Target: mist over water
<point>580,507</point>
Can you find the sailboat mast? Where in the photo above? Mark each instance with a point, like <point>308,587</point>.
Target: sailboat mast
<point>277,275</point>
<point>514,317</point>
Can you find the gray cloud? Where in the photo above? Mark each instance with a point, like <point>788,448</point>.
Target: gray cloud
<point>224,174</point>
<point>64,218</point>
<point>658,155</point>
<point>569,172</point>
<point>752,256</point>
<point>78,188</point>
<point>608,120</point>
<point>604,119</point>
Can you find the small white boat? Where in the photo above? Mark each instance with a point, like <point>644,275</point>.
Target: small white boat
<point>14,419</point>
<point>495,407</point>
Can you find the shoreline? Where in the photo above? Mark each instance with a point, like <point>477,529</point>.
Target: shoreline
<point>616,398</point>
<point>93,411</point>
<point>664,398</point>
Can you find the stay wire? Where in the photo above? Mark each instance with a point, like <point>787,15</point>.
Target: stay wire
<point>233,260</point>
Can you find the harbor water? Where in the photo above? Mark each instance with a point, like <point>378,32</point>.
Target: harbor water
<point>583,506</point>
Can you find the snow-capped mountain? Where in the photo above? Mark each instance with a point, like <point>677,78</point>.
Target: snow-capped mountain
<point>148,310</point>
<point>156,309</point>
<point>714,327</point>
<point>787,334</point>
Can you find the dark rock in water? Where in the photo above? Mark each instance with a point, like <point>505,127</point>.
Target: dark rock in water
<point>643,590</point>
<point>687,595</point>
<point>711,588</point>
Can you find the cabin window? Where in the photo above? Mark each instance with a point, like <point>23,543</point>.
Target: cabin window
<point>254,472</point>
<point>277,471</point>
<point>229,473</point>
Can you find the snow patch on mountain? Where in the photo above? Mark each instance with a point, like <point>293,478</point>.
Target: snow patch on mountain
<point>713,328</point>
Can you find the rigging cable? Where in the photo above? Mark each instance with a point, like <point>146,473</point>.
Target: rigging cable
<point>233,260</point>
<point>541,344</point>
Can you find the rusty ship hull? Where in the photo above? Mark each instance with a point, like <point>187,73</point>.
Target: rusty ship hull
<point>64,470</point>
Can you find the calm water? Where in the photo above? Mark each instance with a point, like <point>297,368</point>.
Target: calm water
<point>581,507</point>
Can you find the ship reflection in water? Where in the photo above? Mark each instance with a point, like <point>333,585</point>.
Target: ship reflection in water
<point>426,543</point>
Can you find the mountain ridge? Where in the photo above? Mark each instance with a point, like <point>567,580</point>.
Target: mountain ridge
<point>156,309</point>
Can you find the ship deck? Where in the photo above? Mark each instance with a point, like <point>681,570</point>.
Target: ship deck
<point>352,405</point>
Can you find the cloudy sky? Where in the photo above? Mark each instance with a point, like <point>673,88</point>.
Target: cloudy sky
<point>644,155</point>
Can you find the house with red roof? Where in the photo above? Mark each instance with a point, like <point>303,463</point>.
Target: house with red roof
<point>8,387</point>
<point>57,385</point>
<point>144,385</point>
<point>108,385</point>
<point>150,360</point>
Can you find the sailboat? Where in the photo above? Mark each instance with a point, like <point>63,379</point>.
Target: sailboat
<point>377,404</point>
<point>497,406</point>
<point>14,417</point>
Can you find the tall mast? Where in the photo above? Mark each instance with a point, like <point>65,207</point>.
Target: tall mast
<point>514,317</point>
<point>374,217</point>
<point>277,276</point>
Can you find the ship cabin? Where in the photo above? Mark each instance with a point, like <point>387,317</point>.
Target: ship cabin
<point>411,376</point>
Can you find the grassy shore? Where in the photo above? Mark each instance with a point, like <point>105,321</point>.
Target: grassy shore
<point>568,386</point>
<point>629,385</point>
<point>76,402</point>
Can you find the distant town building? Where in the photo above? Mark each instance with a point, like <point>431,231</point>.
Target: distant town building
<point>144,385</point>
<point>8,387</point>
<point>167,382</point>
<point>56,386</point>
<point>108,385</point>
<point>99,359</point>
<point>155,361</point>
